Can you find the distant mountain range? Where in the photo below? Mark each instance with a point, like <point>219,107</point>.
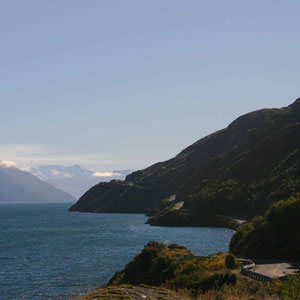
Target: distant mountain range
<point>74,180</point>
<point>234,173</point>
<point>59,172</point>
<point>20,186</point>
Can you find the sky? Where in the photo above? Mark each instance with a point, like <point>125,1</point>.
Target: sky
<point>124,84</point>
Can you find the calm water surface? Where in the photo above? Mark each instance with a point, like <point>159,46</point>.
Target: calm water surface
<point>48,252</point>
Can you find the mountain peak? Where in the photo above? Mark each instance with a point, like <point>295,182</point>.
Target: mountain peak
<point>7,164</point>
<point>74,179</point>
<point>296,105</point>
<point>19,186</point>
<point>57,171</point>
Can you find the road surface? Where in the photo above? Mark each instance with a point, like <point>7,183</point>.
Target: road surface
<point>275,269</point>
<point>178,205</point>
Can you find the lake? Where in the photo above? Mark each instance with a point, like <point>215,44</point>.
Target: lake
<point>48,252</point>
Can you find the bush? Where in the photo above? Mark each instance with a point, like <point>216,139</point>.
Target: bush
<point>175,246</point>
<point>230,261</point>
<point>280,226</point>
<point>217,280</point>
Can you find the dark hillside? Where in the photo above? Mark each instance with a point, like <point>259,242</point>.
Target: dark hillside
<point>118,196</point>
<point>248,185</point>
<point>237,172</point>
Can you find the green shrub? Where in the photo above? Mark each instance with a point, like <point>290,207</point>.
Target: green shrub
<point>279,229</point>
<point>175,246</point>
<point>217,280</point>
<point>230,261</point>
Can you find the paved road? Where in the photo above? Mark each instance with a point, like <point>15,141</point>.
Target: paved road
<point>275,269</point>
<point>240,221</point>
<point>178,205</point>
<point>171,198</point>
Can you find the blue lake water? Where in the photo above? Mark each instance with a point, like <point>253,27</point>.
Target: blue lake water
<point>48,252</point>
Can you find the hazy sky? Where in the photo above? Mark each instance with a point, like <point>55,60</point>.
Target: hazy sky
<point>123,84</point>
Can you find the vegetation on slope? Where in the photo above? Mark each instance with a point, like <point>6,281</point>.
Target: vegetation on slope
<point>185,217</point>
<point>130,292</point>
<point>244,188</point>
<point>175,267</point>
<point>275,235</point>
<point>172,272</point>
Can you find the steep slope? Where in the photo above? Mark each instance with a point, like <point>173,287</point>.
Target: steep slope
<point>244,187</point>
<point>204,175</point>
<point>19,186</point>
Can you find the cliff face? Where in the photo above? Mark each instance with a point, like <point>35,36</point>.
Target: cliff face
<point>237,171</point>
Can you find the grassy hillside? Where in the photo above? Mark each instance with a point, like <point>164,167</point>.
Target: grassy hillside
<point>174,267</point>
<point>173,272</point>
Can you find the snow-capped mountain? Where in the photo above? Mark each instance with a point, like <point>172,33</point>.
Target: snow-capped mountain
<point>74,180</point>
<point>56,171</point>
<point>19,186</point>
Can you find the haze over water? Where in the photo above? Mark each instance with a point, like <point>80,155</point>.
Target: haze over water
<point>46,251</point>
